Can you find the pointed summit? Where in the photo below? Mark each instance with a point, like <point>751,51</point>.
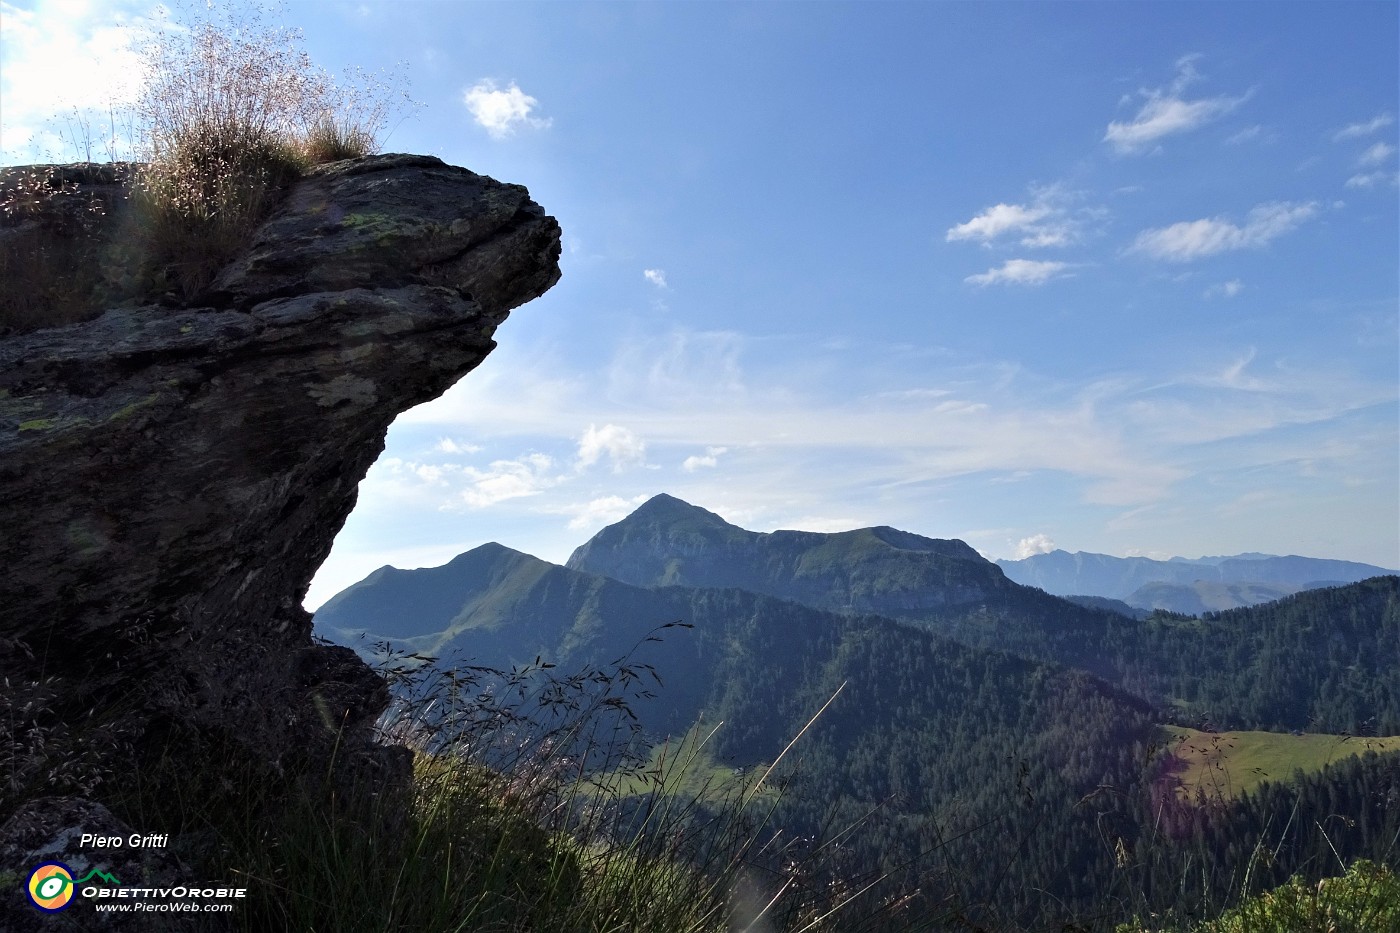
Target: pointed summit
<point>668,542</point>
<point>666,508</point>
<point>643,547</point>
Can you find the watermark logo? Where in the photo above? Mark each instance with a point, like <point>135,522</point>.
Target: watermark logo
<point>51,885</point>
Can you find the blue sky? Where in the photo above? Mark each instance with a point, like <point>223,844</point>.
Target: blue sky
<point>1108,277</point>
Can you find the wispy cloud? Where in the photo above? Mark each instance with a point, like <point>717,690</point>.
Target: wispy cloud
<point>1019,272</point>
<point>1197,239</point>
<point>585,516</point>
<point>455,485</point>
<point>709,460</point>
<point>508,479</point>
<point>656,277</point>
<point>1167,112</point>
<point>1225,289</point>
<point>1248,134</point>
<point>862,426</point>
<point>1233,376</point>
<point>501,111</point>
<point>1357,130</point>
<point>448,446</point>
<point>1373,179</point>
<point>788,423</point>
<point>1046,221</point>
<point>997,220</point>
<point>680,364</point>
<point>1376,154</point>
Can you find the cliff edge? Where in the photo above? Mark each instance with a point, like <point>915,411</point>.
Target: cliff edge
<point>173,477</point>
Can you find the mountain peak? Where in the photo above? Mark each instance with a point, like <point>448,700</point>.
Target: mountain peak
<point>669,542</point>
<point>667,508</point>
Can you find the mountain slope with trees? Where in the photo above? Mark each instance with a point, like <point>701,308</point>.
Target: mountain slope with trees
<point>1325,659</point>
<point>990,746</point>
<point>927,741</point>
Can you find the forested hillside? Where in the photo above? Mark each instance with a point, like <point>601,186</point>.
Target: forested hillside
<point>991,747</point>
<point>934,757</point>
<point>1327,659</point>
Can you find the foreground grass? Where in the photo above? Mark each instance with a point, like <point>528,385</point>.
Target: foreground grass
<point>1224,765</point>
<point>533,806</point>
<point>685,768</point>
<point>469,855</point>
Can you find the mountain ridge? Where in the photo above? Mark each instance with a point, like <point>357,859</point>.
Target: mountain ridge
<point>1226,665</point>
<point>669,542</point>
<point>1085,573</point>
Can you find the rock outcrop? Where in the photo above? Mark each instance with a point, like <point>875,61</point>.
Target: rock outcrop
<point>173,477</point>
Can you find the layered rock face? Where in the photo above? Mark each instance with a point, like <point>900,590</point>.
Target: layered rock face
<point>173,477</point>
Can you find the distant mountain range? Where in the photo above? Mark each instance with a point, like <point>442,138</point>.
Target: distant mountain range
<point>501,608</point>
<point>1205,584</point>
<point>961,684</point>
<point>668,560</point>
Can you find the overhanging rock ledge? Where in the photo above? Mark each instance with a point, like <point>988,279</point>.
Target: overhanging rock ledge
<point>173,478</point>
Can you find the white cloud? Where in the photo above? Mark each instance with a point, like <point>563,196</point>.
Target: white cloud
<point>508,479</point>
<point>1166,112</point>
<point>1372,179</point>
<point>1377,154</point>
<point>1046,221</point>
<point>65,67</point>
<point>1233,376</point>
<point>656,277</point>
<point>1035,544</point>
<point>596,512</point>
<point>1019,272</point>
<point>1195,239</point>
<point>501,112</point>
<point>469,486</point>
<point>448,446</point>
<point>1225,289</point>
<point>1357,130</point>
<point>618,444</point>
<point>708,461</point>
<point>996,220</point>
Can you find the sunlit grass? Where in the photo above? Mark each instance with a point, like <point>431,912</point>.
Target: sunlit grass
<point>1223,765</point>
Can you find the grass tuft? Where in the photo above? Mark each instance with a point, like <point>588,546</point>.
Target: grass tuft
<point>231,112</point>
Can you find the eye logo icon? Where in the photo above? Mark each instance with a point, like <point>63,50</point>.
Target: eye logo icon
<point>51,887</point>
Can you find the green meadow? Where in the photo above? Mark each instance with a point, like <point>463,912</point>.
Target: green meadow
<point>1226,764</point>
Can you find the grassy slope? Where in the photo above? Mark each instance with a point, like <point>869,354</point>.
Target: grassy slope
<point>687,768</point>
<point>1226,764</point>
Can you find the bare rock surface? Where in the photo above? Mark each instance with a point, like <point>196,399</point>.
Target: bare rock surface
<point>172,478</point>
